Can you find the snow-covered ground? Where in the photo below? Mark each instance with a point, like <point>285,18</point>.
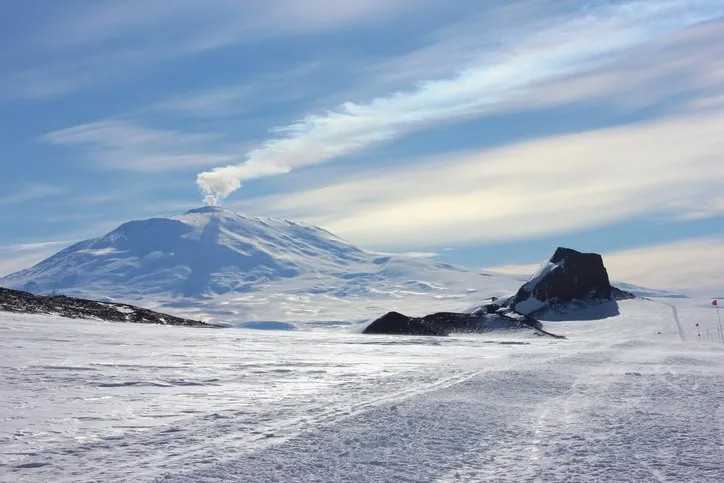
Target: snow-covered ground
<point>622,398</point>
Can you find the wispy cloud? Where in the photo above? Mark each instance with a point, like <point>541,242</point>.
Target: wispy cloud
<point>534,188</point>
<point>250,94</point>
<point>545,55</point>
<point>693,264</point>
<point>84,45</point>
<point>23,255</point>
<point>12,264</point>
<point>468,41</point>
<point>31,192</point>
<point>53,76</point>
<point>126,145</point>
<point>198,25</point>
<point>33,246</point>
<point>212,102</point>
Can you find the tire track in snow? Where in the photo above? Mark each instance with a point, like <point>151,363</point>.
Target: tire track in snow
<point>203,453</point>
<point>678,322</point>
<point>620,416</point>
<point>420,439</point>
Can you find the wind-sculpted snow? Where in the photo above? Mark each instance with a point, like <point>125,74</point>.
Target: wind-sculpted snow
<point>212,263</point>
<point>621,399</point>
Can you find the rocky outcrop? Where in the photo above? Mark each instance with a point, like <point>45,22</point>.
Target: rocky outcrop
<point>568,282</point>
<point>76,308</point>
<point>445,323</point>
<point>395,323</point>
<point>569,277</point>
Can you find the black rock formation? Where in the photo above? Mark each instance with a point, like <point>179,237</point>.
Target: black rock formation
<point>396,323</point>
<point>571,280</point>
<point>75,308</point>
<point>445,323</point>
<point>569,276</point>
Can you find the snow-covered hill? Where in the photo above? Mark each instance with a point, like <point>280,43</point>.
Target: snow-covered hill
<point>215,263</point>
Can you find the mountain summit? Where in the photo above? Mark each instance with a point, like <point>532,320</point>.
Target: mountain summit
<point>204,251</point>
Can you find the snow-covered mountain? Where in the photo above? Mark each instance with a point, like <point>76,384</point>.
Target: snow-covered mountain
<point>212,262</point>
<point>206,251</point>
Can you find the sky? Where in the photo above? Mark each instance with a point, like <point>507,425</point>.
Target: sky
<point>484,133</point>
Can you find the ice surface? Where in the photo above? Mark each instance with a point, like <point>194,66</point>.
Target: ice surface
<point>624,398</point>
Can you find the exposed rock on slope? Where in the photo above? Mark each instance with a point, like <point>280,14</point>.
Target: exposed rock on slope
<point>395,323</point>
<point>75,308</point>
<point>569,279</point>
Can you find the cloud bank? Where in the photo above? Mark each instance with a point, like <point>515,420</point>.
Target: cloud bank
<point>693,264</point>
<point>665,168</point>
<point>574,45</point>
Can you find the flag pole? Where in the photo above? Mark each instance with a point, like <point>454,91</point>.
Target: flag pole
<point>721,332</point>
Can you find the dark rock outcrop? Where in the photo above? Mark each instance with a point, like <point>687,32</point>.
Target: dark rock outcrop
<point>396,323</point>
<point>568,277</point>
<point>570,281</point>
<point>445,323</point>
<point>76,308</point>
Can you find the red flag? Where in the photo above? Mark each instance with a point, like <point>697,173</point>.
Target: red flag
<point>714,302</point>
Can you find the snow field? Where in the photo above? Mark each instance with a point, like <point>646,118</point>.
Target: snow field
<point>621,399</point>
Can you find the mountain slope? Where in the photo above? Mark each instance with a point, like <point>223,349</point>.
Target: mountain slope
<point>212,262</point>
<point>202,252</point>
<point>74,308</point>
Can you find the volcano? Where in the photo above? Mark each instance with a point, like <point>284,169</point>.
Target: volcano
<point>214,262</point>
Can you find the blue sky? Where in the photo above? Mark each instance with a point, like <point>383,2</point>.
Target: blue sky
<point>485,132</point>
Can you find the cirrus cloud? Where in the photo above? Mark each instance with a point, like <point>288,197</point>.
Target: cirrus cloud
<point>553,185</point>
<point>482,88</point>
<point>126,145</point>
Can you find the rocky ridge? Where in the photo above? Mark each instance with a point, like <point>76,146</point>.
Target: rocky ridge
<point>77,308</point>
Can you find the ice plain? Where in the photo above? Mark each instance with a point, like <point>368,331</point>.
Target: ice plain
<point>623,398</point>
